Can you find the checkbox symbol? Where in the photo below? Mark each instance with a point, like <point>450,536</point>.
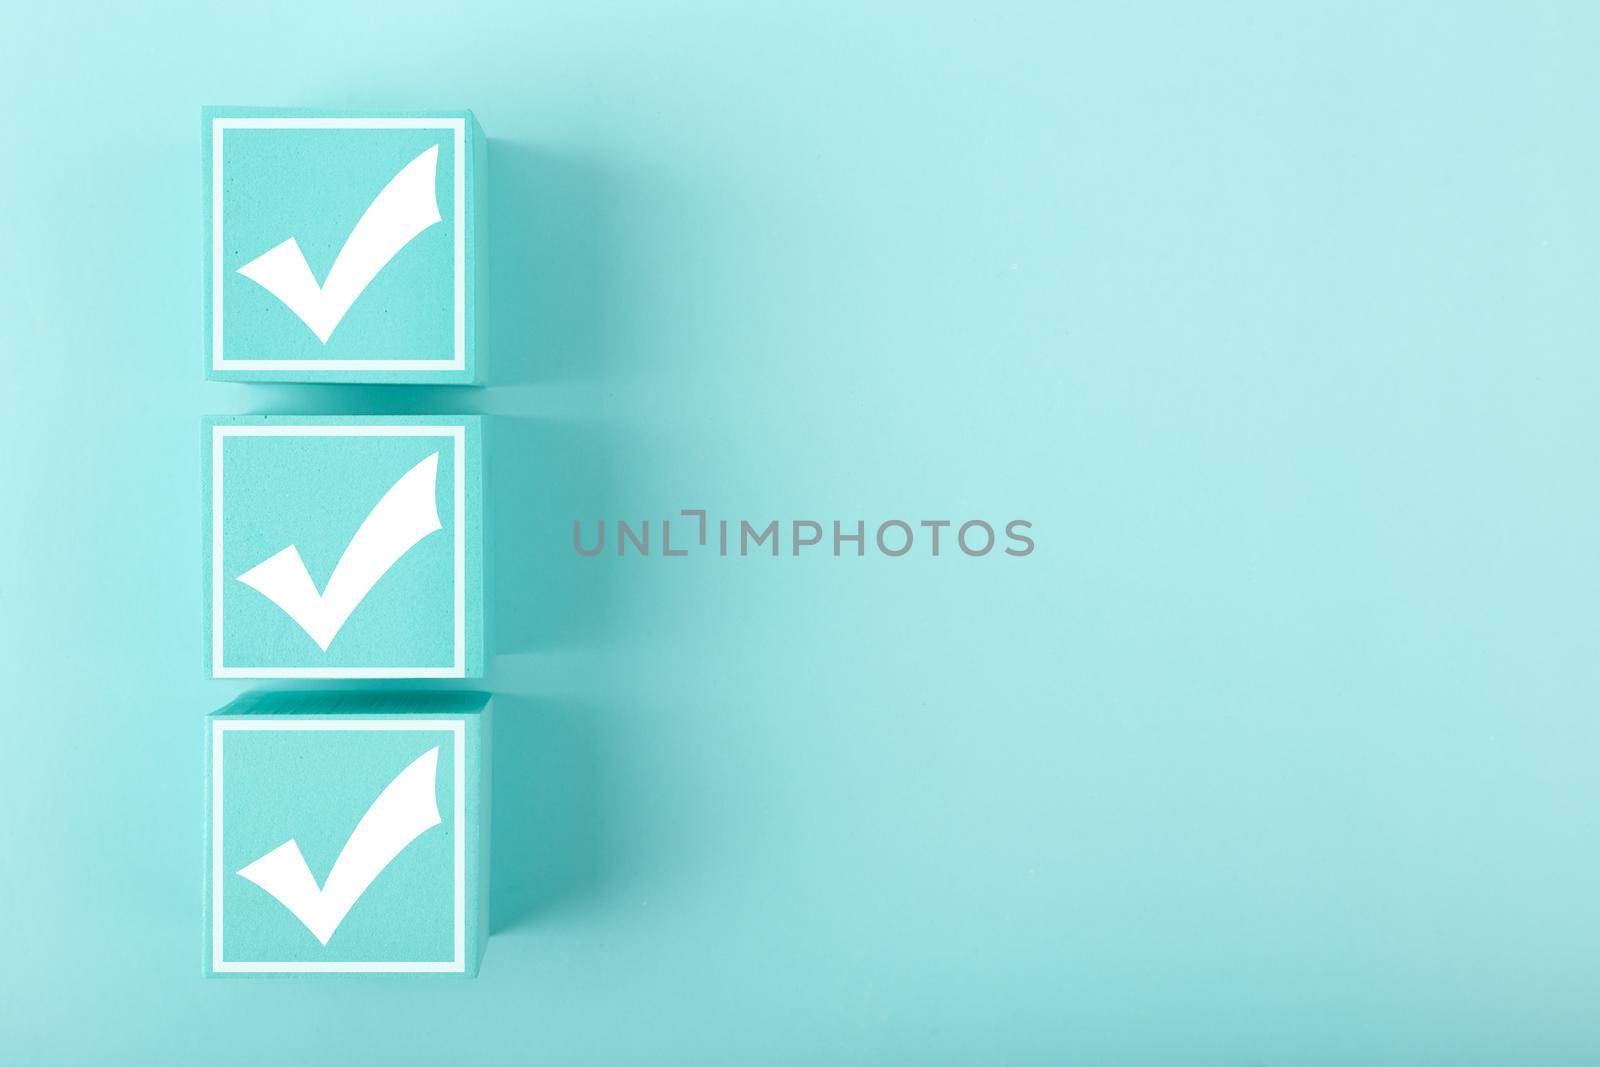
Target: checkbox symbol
<point>347,832</point>
<point>344,247</point>
<point>345,546</point>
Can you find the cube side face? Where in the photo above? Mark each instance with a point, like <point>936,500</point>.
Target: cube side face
<point>345,844</point>
<point>484,826</point>
<point>478,307</point>
<point>343,547</point>
<point>303,283</point>
<point>478,648</point>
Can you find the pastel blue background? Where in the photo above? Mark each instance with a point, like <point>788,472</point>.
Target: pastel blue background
<point>1279,321</point>
<point>313,786</point>
<point>314,186</point>
<point>314,493</point>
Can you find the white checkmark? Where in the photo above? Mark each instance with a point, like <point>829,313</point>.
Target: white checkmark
<point>406,206</point>
<point>407,513</point>
<point>405,809</point>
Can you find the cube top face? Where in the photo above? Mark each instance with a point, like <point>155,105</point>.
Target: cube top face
<point>344,547</point>
<point>346,842</point>
<point>341,246</point>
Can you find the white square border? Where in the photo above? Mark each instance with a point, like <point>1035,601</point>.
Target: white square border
<point>458,434</point>
<point>457,965</point>
<point>219,359</point>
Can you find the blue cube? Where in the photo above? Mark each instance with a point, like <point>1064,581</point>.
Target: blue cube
<point>344,546</point>
<point>343,246</point>
<point>347,833</point>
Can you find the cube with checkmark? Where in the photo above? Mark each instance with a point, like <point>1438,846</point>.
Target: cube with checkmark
<point>344,547</point>
<point>347,833</point>
<point>343,246</point>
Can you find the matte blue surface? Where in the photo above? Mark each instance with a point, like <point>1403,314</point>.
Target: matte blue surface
<point>1280,323</point>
